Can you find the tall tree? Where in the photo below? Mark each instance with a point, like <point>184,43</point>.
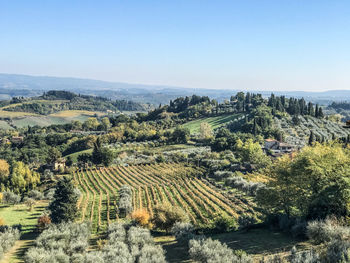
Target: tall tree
<point>101,155</point>
<point>206,130</point>
<point>64,206</point>
<point>320,113</point>
<point>311,138</point>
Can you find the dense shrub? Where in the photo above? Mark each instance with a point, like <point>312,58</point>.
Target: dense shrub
<point>44,222</point>
<point>166,215</point>
<point>309,256</point>
<point>141,217</point>
<point>60,243</point>
<point>10,198</point>
<point>223,223</point>
<point>212,251</point>
<point>125,201</point>
<point>182,230</point>
<point>133,245</point>
<point>239,183</point>
<point>8,237</point>
<point>246,221</point>
<point>322,231</point>
<point>36,195</point>
<point>338,251</point>
<point>219,175</point>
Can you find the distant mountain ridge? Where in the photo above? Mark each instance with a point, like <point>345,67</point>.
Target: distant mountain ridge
<point>12,85</point>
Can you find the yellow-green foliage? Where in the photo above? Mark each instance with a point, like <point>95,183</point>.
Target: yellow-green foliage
<point>4,170</point>
<point>314,182</point>
<point>22,178</point>
<point>251,152</point>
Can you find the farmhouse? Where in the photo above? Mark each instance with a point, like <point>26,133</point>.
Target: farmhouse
<point>17,139</point>
<point>59,164</point>
<point>277,147</point>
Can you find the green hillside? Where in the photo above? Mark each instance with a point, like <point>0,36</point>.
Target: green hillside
<point>214,122</point>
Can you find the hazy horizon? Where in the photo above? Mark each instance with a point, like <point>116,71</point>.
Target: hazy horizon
<point>232,45</point>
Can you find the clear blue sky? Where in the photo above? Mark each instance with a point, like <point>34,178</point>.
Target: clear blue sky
<point>270,45</point>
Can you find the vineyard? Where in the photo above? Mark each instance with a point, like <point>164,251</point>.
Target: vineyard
<point>151,185</point>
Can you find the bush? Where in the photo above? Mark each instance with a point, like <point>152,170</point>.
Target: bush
<point>239,183</point>
<point>36,195</point>
<point>30,202</point>
<point>134,245</point>
<point>125,201</point>
<point>322,231</point>
<point>8,237</point>
<point>223,223</point>
<point>116,232</point>
<point>141,217</point>
<point>68,242</point>
<point>212,251</point>
<point>166,215</point>
<point>10,198</point>
<point>246,221</point>
<point>309,256</point>
<point>152,254</point>
<point>182,230</point>
<point>219,175</point>
<point>299,229</point>
<point>59,243</point>
<point>338,251</point>
<point>44,222</point>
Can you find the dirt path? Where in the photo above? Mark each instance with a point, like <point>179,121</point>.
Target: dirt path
<point>16,253</point>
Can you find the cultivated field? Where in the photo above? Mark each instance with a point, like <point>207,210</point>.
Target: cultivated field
<point>152,185</point>
<point>214,122</point>
<point>24,119</point>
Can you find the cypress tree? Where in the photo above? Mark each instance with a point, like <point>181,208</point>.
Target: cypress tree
<point>310,109</point>
<point>254,127</point>
<point>320,113</point>
<point>311,138</point>
<point>64,207</point>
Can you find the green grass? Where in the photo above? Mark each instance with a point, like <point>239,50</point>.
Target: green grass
<point>47,120</point>
<point>257,242</point>
<point>5,126</point>
<point>214,122</point>
<point>19,214</point>
<point>75,155</point>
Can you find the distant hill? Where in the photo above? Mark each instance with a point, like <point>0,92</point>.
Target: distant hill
<point>12,85</point>
<point>58,100</point>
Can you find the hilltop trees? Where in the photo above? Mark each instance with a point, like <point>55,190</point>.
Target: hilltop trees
<point>64,206</point>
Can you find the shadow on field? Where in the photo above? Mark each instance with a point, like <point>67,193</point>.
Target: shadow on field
<point>27,240</point>
<point>257,242</point>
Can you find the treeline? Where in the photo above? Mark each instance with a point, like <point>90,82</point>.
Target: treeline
<point>71,101</point>
<point>344,105</point>
<point>192,107</point>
